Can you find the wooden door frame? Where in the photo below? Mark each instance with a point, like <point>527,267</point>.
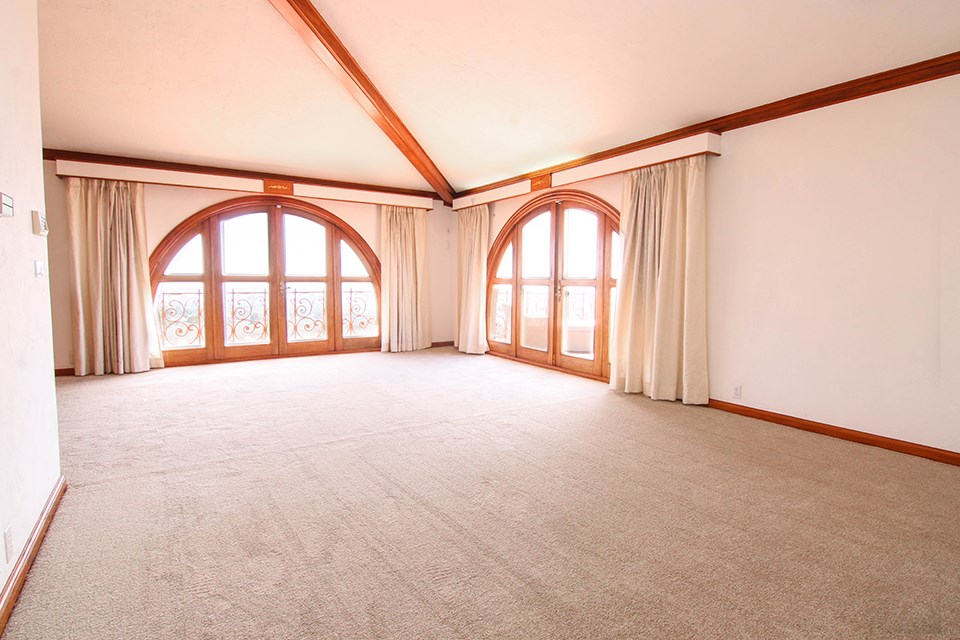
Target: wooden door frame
<point>204,222</point>
<point>609,220</point>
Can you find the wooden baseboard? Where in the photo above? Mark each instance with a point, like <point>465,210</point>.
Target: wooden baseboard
<point>64,372</point>
<point>11,590</point>
<point>446,343</point>
<point>901,446</point>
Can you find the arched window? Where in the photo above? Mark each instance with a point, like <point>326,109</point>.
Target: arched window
<point>552,275</point>
<point>264,276</point>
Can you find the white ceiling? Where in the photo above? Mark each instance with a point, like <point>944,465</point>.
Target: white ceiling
<point>490,89</point>
<point>225,83</point>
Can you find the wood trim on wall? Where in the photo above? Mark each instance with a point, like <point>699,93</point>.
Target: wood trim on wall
<point>11,590</point>
<point>925,71</point>
<point>143,163</point>
<point>901,446</point>
<point>66,371</point>
<point>304,18</point>
<point>445,343</point>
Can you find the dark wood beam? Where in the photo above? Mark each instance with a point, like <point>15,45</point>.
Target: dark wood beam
<point>143,163</point>
<point>933,69</point>
<point>310,25</point>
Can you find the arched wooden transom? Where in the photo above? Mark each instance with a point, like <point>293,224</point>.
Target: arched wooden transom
<point>264,276</point>
<point>552,279</point>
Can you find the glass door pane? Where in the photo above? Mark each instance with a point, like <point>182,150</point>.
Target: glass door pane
<point>534,317</point>
<point>306,311</point>
<point>180,305</point>
<point>246,315</point>
<point>579,321</point>
<point>505,269</point>
<point>359,310</point>
<point>351,266</point>
<point>580,269</point>
<point>189,260</point>
<point>245,245</point>
<point>616,257</point>
<point>304,247</point>
<point>535,247</point>
<point>579,244</point>
<point>305,287</point>
<point>502,323</point>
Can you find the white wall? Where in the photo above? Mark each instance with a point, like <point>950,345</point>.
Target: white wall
<point>167,206</point>
<point>442,271</point>
<point>834,265</point>
<point>29,450</point>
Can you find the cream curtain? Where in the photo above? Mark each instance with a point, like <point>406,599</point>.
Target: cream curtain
<point>660,334</point>
<point>473,226</point>
<point>114,327</point>
<point>405,310</point>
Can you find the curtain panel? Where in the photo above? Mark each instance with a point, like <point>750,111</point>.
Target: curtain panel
<point>405,315</point>
<point>660,330</point>
<point>114,326</point>
<point>473,224</point>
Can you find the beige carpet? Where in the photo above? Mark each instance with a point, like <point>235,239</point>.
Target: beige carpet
<point>436,495</point>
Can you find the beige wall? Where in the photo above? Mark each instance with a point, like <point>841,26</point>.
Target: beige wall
<point>834,264</point>
<point>168,206</point>
<point>29,450</point>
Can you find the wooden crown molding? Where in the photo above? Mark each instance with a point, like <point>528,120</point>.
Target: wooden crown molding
<point>11,590</point>
<point>873,440</point>
<point>933,69</point>
<point>310,25</point>
<point>144,163</point>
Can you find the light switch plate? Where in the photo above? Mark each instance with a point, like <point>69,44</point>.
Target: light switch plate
<point>6,205</point>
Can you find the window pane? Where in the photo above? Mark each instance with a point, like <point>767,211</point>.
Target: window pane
<point>245,316</point>
<point>245,246</point>
<point>189,260</point>
<point>180,305</point>
<point>502,313</point>
<point>533,320</point>
<point>505,269</point>
<point>616,258</point>
<point>579,320</point>
<point>359,304</point>
<point>579,244</point>
<point>304,246</point>
<point>350,264</point>
<point>306,311</point>
<point>535,247</point>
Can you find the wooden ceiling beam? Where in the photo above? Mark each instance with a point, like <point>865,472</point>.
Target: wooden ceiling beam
<point>310,25</point>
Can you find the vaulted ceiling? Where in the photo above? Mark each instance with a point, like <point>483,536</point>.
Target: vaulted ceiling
<point>490,90</point>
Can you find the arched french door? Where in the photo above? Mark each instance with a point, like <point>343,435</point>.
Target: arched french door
<point>264,276</point>
<point>552,277</point>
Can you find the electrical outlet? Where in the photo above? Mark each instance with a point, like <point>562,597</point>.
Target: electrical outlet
<point>8,544</point>
<point>737,390</point>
